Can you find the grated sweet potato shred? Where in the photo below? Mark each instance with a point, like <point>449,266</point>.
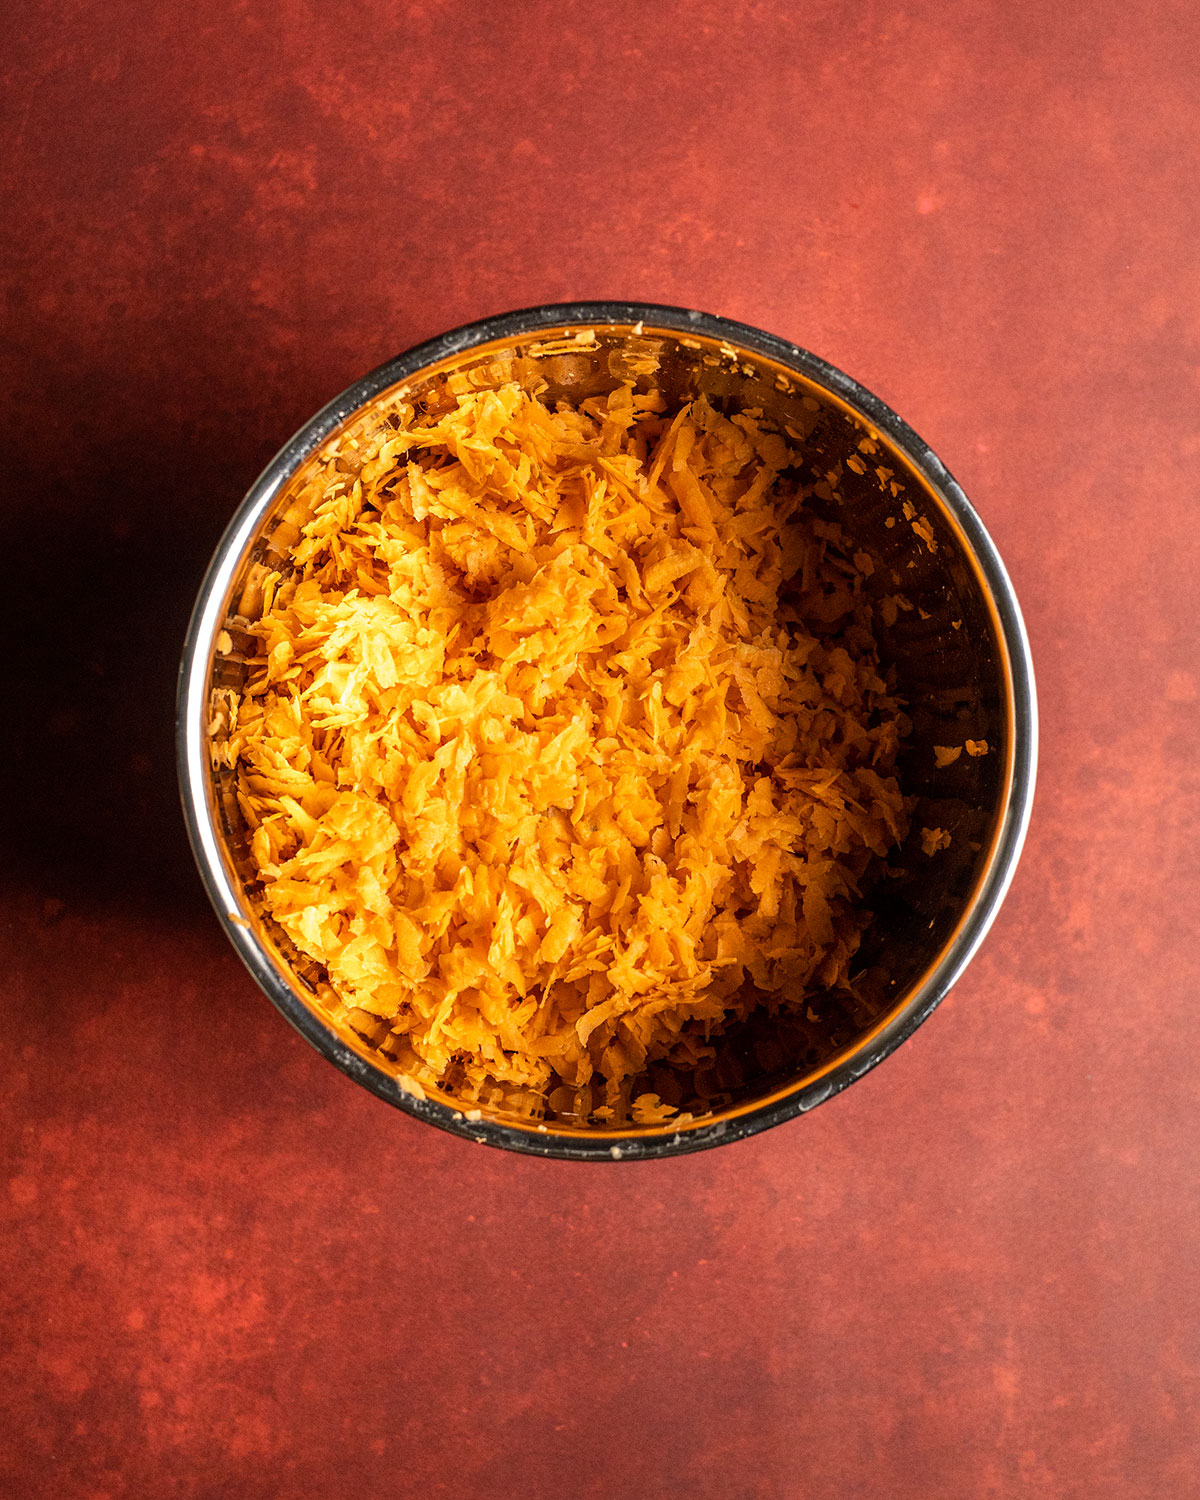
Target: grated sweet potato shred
<point>566,740</point>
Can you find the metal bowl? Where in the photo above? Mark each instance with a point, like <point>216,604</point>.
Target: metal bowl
<point>960,657</point>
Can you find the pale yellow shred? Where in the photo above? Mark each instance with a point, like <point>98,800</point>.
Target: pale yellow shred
<point>649,1109</point>
<point>566,740</point>
<point>946,755</point>
<point>933,839</point>
<point>977,747</point>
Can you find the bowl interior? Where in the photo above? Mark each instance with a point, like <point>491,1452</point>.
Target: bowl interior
<point>937,629</point>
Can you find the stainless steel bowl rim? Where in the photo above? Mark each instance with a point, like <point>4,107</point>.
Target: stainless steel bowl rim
<point>192,711</point>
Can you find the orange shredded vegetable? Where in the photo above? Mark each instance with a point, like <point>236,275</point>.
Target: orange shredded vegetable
<point>567,739</point>
<point>934,839</point>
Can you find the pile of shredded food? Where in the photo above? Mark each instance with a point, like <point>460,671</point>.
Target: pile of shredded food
<point>567,740</point>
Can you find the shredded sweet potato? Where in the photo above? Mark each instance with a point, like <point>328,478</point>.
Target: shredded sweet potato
<point>934,839</point>
<point>566,739</point>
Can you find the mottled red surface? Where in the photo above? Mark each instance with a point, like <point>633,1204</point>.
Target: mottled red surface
<point>229,1271</point>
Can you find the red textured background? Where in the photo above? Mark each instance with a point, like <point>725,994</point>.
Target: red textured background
<point>230,1273</point>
